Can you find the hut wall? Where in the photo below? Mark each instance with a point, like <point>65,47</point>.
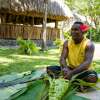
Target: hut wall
<point>13,31</point>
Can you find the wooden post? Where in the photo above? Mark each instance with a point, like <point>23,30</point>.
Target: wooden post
<point>17,19</point>
<point>56,24</point>
<point>0,19</point>
<point>44,46</point>
<point>10,18</point>
<point>32,22</point>
<point>3,18</point>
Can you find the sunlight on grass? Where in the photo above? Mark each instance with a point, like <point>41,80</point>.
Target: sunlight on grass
<point>6,60</point>
<point>96,65</point>
<point>11,61</point>
<point>49,57</point>
<point>54,51</point>
<point>40,66</point>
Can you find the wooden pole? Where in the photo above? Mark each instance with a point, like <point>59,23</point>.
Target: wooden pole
<point>0,19</point>
<point>32,21</point>
<point>56,24</point>
<point>3,18</point>
<point>44,45</point>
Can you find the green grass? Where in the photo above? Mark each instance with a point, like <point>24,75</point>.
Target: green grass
<point>11,61</point>
<point>97,65</point>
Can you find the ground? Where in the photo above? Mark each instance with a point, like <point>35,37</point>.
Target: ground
<point>10,61</point>
<point>97,52</point>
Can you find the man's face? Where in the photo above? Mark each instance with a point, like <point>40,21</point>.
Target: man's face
<point>76,33</point>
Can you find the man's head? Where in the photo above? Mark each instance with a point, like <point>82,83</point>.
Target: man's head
<point>77,31</point>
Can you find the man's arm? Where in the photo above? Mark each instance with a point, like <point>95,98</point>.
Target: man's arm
<point>64,55</point>
<point>89,52</point>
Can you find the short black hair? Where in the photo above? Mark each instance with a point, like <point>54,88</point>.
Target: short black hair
<point>78,23</point>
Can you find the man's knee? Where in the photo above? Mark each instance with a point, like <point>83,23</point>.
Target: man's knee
<point>89,76</point>
<point>53,71</point>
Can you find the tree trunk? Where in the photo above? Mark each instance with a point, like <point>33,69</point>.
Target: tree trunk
<point>44,45</point>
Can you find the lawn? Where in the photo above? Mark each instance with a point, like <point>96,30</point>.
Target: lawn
<point>11,61</point>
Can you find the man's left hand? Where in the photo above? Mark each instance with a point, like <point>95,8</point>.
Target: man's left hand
<point>68,75</point>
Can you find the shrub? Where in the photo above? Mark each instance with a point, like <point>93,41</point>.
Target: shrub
<point>26,46</point>
<point>95,34</point>
<point>67,35</point>
<point>58,43</point>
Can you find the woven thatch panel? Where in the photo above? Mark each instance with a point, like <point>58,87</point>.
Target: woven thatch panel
<point>48,33</point>
<point>11,31</point>
<point>56,8</point>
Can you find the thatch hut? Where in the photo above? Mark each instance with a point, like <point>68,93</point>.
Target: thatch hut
<point>20,17</point>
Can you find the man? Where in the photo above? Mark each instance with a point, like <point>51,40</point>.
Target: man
<point>77,55</point>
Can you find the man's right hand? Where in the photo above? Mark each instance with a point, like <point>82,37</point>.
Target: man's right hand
<point>65,72</point>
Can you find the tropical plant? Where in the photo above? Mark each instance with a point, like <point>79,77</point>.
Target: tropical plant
<point>85,7</point>
<point>57,88</point>
<point>58,43</point>
<point>67,35</point>
<point>26,46</point>
<point>88,8</point>
<point>95,34</point>
<point>37,85</point>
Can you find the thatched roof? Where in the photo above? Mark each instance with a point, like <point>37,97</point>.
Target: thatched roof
<point>56,8</point>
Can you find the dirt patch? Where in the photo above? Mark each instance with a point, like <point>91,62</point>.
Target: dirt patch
<point>97,52</point>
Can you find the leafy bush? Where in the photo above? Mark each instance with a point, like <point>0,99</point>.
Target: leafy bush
<point>26,46</point>
<point>95,34</point>
<point>58,43</point>
<point>67,35</point>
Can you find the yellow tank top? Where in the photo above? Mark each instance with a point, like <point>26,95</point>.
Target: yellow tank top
<point>76,52</point>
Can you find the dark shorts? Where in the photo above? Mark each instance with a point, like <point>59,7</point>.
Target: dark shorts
<point>88,75</point>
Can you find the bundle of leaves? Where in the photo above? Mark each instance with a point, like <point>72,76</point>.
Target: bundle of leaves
<point>27,46</point>
<point>37,85</point>
<point>57,88</point>
<point>62,89</point>
<point>67,35</point>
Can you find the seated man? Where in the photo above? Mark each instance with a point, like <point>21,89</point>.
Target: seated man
<point>77,55</point>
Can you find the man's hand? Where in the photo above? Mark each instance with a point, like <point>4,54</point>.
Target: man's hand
<point>66,73</point>
<point>69,75</point>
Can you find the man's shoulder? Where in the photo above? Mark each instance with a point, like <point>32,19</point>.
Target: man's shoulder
<point>65,44</point>
<point>67,41</point>
<point>90,44</point>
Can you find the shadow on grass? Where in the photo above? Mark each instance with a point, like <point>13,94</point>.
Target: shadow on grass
<point>21,65</point>
<point>11,61</point>
<point>7,51</point>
